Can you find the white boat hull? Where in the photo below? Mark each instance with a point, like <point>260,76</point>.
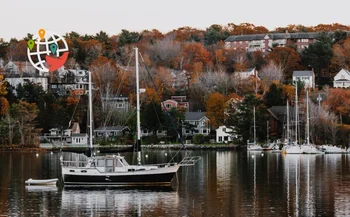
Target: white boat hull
<point>41,181</point>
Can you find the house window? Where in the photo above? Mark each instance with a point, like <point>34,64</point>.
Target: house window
<point>224,130</point>
<point>187,131</point>
<point>204,131</point>
<point>196,123</point>
<point>168,105</point>
<point>304,40</point>
<point>220,138</point>
<point>225,138</point>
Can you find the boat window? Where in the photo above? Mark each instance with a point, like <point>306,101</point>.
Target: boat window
<point>125,163</point>
<point>119,164</point>
<point>109,163</point>
<point>101,163</point>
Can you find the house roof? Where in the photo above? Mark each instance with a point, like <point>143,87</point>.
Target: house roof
<point>273,36</point>
<point>194,115</point>
<point>79,135</point>
<point>302,73</point>
<point>341,80</point>
<point>111,128</point>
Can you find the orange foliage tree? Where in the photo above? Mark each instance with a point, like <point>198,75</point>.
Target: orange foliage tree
<point>338,101</point>
<point>341,55</point>
<point>215,106</point>
<point>287,58</point>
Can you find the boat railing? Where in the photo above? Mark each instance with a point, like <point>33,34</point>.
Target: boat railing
<point>74,163</point>
<point>189,161</point>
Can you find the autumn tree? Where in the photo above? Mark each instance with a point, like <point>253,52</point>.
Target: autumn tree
<point>271,72</point>
<point>27,113</point>
<point>338,101</point>
<point>286,58</point>
<point>166,52</point>
<point>341,55</point>
<point>195,58</point>
<point>215,107</point>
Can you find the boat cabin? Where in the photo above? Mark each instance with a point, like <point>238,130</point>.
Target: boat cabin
<point>109,164</point>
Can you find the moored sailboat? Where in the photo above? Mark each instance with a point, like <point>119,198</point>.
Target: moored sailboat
<point>115,170</point>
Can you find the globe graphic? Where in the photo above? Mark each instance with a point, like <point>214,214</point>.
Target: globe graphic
<point>37,55</point>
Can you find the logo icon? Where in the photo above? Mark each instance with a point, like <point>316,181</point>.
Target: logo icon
<point>47,51</point>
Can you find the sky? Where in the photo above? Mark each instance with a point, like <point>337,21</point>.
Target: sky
<point>19,17</point>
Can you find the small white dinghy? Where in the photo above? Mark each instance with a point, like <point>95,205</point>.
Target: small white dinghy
<point>41,181</point>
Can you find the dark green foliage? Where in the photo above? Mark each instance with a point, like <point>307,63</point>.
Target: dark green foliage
<point>127,37</point>
<point>151,117</point>
<point>198,139</point>
<point>338,36</point>
<point>242,120</point>
<point>318,54</point>
<point>214,34</point>
<point>274,96</point>
<point>152,139</point>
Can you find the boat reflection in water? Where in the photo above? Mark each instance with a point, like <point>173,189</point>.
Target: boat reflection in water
<point>41,188</point>
<point>120,202</point>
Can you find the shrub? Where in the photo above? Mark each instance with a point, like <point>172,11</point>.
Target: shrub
<point>198,139</point>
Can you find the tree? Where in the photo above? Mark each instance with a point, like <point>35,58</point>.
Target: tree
<point>341,55</point>
<point>271,72</point>
<point>286,58</point>
<point>127,37</point>
<point>274,97</point>
<point>318,54</point>
<point>215,107</point>
<point>214,34</point>
<point>27,113</point>
<point>166,52</point>
<point>240,119</point>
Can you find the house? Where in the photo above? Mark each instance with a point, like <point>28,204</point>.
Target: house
<point>195,123</point>
<point>79,139</point>
<point>277,117</point>
<point>178,102</point>
<point>224,135</point>
<point>116,103</point>
<point>110,132</point>
<point>19,67</point>
<point>159,133</point>
<point>342,79</point>
<point>265,42</point>
<point>15,80</point>
<point>308,77</point>
<point>246,74</point>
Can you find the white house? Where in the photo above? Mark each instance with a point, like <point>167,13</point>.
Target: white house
<point>342,79</point>
<point>223,135</point>
<point>79,139</point>
<point>308,77</point>
<point>199,122</point>
<point>245,75</point>
<point>16,80</point>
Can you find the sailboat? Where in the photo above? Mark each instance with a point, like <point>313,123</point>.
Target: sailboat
<point>114,170</point>
<point>294,148</point>
<point>253,146</point>
<point>308,148</point>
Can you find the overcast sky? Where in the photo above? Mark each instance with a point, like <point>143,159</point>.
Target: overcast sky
<point>19,17</point>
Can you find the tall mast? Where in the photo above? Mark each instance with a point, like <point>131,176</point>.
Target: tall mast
<point>267,127</point>
<point>288,133</point>
<point>90,111</point>
<point>254,127</point>
<point>296,112</point>
<point>307,118</point>
<point>138,122</point>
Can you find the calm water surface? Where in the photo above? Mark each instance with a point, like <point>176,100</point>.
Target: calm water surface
<point>221,184</point>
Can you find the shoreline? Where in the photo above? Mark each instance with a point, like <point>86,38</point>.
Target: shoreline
<point>116,148</point>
